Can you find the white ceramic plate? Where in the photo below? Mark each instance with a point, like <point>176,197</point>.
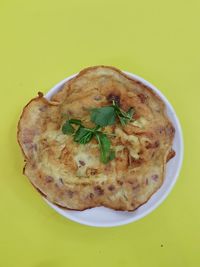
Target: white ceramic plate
<point>104,217</point>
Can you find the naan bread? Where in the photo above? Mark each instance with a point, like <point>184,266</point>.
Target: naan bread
<point>71,175</point>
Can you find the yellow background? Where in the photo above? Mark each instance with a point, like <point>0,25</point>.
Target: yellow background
<point>44,41</point>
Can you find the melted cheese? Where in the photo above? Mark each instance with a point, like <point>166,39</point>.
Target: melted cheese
<point>125,137</point>
<point>140,123</point>
<point>134,148</point>
<point>118,148</point>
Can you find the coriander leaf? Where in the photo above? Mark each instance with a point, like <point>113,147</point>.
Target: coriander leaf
<point>103,116</point>
<point>67,128</point>
<point>130,112</point>
<point>104,146</point>
<point>123,120</point>
<point>75,121</point>
<point>120,116</point>
<point>123,116</point>
<point>83,135</point>
<point>111,155</point>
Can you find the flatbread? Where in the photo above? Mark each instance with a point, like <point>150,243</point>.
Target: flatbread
<point>70,174</point>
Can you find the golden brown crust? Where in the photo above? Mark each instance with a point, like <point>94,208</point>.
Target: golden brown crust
<point>71,175</point>
<point>171,154</point>
<point>18,125</point>
<point>39,97</point>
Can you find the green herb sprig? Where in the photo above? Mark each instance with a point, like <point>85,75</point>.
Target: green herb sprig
<point>101,117</point>
<point>107,115</point>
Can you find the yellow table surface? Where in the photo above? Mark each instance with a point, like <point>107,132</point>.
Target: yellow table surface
<point>42,42</point>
